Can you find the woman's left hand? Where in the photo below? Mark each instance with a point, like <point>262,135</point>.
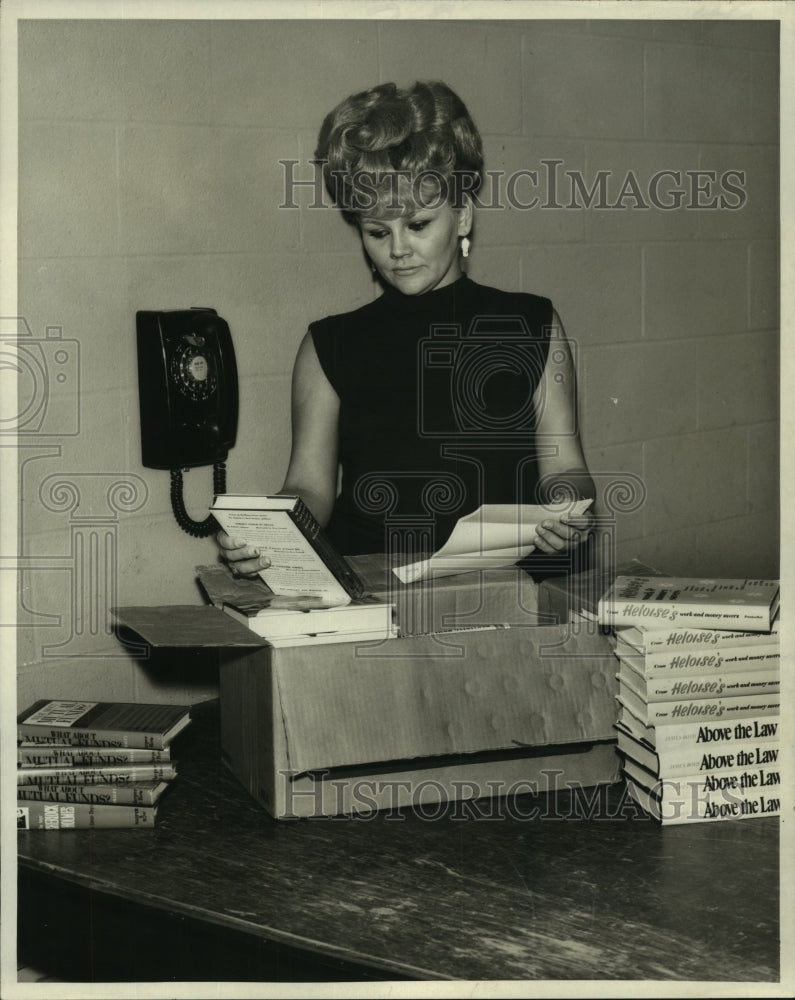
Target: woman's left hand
<point>564,535</point>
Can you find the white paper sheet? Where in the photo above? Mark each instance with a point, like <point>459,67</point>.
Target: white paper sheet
<point>491,537</point>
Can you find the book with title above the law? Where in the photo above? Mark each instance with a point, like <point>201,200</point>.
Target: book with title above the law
<point>303,562</point>
<point>702,771</point>
<point>749,605</point>
<point>708,751</point>
<point>683,737</point>
<point>699,695</point>
<point>742,794</point>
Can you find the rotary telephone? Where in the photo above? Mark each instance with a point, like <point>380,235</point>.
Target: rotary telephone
<point>187,384</point>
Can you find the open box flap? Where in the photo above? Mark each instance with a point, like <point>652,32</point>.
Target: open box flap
<point>511,689</point>
<point>187,626</point>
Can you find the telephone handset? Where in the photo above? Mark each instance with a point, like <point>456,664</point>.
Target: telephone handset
<point>187,385</point>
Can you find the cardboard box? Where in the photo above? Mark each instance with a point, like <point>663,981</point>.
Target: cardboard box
<point>350,727</point>
<point>561,596</point>
<point>483,597</point>
<point>346,728</point>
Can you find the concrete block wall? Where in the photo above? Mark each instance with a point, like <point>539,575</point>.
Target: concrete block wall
<point>149,178</point>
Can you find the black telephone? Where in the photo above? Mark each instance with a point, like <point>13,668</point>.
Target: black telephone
<point>187,386</point>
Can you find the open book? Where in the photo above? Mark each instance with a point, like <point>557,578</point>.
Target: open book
<point>493,536</point>
<point>303,561</point>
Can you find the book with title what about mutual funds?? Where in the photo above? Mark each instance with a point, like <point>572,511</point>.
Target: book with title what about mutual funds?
<point>656,601</point>
<point>101,724</point>
<point>124,774</point>
<point>87,765</point>
<point>303,562</point>
<point>65,755</point>
<point>140,793</point>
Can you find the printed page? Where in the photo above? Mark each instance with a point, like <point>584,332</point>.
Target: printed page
<point>491,537</point>
<point>296,569</point>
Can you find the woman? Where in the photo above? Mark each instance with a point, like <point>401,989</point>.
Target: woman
<point>442,394</point>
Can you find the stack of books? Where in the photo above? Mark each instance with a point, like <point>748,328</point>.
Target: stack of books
<point>363,620</point>
<point>297,619</point>
<point>698,691</point>
<point>84,764</point>
<point>313,593</point>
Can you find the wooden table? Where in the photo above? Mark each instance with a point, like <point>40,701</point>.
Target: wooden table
<point>565,886</point>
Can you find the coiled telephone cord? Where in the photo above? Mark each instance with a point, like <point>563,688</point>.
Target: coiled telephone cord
<point>199,529</point>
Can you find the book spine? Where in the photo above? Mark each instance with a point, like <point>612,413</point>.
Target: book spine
<point>108,795</point>
<point>328,638</point>
<point>101,724</point>
<point>676,762</point>
<point>742,755</point>
<point>743,659</point>
<point>667,713</point>
<point>97,775</point>
<point>305,521</point>
<point>684,662</point>
<point>704,734</point>
<point>37,756</point>
<point>96,738</point>
<point>660,639</point>
<point>75,816</point>
<point>700,686</point>
<point>692,806</point>
<point>734,783</point>
<point>624,613</point>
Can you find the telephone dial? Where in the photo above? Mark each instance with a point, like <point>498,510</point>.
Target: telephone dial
<point>187,384</point>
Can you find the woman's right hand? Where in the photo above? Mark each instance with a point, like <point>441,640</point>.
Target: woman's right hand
<point>242,559</point>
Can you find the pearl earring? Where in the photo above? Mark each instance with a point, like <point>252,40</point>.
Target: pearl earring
<point>465,246</point>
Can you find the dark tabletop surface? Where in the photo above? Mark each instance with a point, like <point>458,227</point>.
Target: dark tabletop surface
<point>572,886</point>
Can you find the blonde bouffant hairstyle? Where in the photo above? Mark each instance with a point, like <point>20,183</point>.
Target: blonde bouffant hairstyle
<point>423,134</point>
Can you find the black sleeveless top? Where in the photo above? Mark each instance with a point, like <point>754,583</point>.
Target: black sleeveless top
<point>436,410</point>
